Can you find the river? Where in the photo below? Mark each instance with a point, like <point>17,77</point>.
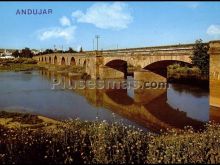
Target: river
<point>149,109</point>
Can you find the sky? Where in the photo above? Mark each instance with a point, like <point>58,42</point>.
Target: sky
<point>119,24</point>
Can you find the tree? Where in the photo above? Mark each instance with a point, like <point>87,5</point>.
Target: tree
<point>81,49</point>
<point>16,54</point>
<point>59,51</point>
<point>48,51</point>
<point>71,50</point>
<point>200,57</point>
<point>26,52</point>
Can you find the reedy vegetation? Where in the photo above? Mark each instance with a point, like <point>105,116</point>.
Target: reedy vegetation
<point>78,141</point>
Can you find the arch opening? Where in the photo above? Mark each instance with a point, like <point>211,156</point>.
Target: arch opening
<point>50,60</point>
<point>160,67</point>
<point>119,65</point>
<point>63,61</point>
<point>72,61</point>
<point>84,64</point>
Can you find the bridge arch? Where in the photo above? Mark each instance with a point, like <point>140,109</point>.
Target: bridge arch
<point>63,61</point>
<point>84,64</point>
<point>72,61</point>
<point>50,60</point>
<point>55,60</point>
<point>160,67</point>
<point>119,65</point>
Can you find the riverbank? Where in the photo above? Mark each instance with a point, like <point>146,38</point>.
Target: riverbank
<point>28,64</point>
<point>77,141</point>
<point>12,120</point>
<point>18,64</point>
<point>76,71</point>
<point>187,75</point>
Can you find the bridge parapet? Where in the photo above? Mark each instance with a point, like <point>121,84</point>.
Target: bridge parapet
<point>155,48</point>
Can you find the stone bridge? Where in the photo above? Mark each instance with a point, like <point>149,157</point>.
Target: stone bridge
<point>114,63</point>
<point>150,63</point>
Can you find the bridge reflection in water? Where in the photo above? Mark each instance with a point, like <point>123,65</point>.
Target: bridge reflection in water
<point>149,108</point>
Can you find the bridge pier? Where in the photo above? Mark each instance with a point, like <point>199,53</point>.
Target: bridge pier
<point>110,73</point>
<point>214,52</point>
<point>93,66</point>
<point>148,76</point>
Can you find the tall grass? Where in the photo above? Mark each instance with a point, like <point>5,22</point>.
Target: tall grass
<point>78,141</point>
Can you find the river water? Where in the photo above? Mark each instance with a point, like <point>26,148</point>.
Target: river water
<point>149,109</point>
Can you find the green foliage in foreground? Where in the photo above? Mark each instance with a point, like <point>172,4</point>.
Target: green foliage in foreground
<point>98,142</point>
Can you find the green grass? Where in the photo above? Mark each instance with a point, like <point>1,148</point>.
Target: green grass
<point>177,72</point>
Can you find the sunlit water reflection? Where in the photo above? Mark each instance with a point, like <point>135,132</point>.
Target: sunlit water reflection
<point>175,107</point>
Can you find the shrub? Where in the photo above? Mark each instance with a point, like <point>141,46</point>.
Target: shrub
<point>76,141</point>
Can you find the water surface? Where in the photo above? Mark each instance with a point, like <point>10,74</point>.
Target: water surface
<point>149,109</point>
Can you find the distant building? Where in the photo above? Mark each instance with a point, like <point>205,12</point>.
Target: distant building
<point>34,51</point>
<point>1,52</point>
<point>6,54</point>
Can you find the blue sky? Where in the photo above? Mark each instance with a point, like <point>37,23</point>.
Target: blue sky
<point>126,24</point>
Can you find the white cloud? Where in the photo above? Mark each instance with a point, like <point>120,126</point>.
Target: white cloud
<point>214,30</point>
<point>67,33</point>
<point>105,15</point>
<point>64,21</point>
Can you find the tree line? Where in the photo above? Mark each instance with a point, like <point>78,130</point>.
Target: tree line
<point>70,50</point>
<point>27,53</point>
